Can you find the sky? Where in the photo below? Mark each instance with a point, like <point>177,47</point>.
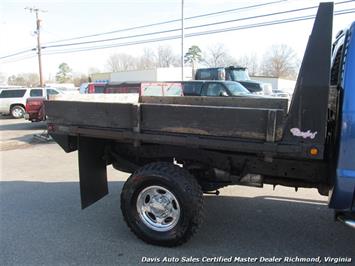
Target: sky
<point>68,19</point>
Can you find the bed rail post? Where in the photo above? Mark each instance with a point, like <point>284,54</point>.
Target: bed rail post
<point>307,119</point>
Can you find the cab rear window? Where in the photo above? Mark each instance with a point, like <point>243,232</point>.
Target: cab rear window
<point>161,89</point>
<point>99,89</point>
<point>193,88</point>
<point>122,89</point>
<point>152,90</point>
<point>172,90</point>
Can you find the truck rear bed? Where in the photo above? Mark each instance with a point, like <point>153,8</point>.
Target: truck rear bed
<point>263,127</point>
<point>216,117</point>
<point>222,141</point>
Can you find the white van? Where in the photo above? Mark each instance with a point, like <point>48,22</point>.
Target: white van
<point>13,101</point>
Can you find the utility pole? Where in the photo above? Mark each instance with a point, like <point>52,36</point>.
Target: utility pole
<point>182,39</point>
<point>38,32</point>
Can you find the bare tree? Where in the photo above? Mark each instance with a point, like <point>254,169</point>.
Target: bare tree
<point>92,70</point>
<point>79,78</point>
<point>147,60</point>
<point>24,79</point>
<point>251,62</point>
<point>166,57</point>
<point>218,56</point>
<point>280,61</point>
<point>121,62</point>
<point>163,57</point>
<point>2,78</point>
<point>17,80</point>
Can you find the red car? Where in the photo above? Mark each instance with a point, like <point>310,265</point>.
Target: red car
<point>35,109</point>
<point>92,87</point>
<point>146,88</point>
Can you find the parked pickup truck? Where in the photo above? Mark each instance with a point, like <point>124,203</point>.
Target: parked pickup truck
<point>239,74</point>
<point>214,88</point>
<point>180,147</point>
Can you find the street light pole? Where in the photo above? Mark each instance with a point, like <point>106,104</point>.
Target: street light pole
<point>38,22</point>
<point>38,32</point>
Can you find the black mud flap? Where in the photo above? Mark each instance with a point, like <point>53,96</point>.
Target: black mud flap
<point>92,170</point>
<point>66,142</point>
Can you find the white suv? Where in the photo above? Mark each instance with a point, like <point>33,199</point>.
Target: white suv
<point>13,101</point>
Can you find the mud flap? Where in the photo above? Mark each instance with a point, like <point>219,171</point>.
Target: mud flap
<point>66,142</point>
<point>92,170</point>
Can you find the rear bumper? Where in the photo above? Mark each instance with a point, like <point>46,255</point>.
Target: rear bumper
<point>32,116</point>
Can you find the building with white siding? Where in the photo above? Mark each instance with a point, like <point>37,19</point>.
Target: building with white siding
<point>277,83</point>
<point>157,74</point>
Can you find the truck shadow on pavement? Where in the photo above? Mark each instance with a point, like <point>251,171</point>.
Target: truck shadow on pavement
<point>42,223</point>
<point>24,126</point>
<point>42,137</point>
<point>25,141</point>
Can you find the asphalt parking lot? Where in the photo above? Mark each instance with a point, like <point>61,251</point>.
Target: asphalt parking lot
<point>41,222</point>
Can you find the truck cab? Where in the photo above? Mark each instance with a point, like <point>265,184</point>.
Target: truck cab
<point>215,88</point>
<point>342,194</point>
<point>234,73</point>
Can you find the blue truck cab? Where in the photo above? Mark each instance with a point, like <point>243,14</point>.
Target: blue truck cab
<point>342,196</point>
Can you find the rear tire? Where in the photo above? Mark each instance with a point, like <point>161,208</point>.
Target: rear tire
<point>17,111</point>
<point>162,204</point>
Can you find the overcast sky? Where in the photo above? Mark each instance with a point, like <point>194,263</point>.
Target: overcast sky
<point>67,19</point>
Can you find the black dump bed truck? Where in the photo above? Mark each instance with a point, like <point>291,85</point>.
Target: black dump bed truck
<point>178,148</point>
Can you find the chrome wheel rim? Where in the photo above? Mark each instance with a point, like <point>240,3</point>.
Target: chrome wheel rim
<point>17,112</point>
<point>158,208</point>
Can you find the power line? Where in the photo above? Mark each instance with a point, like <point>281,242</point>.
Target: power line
<point>18,53</point>
<point>114,39</point>
<point>256,25</point>
<point>296,19</point>
<point>178,29</point>
<point>341,12</point>
<point>190,34</point>
<point>170,21</point>
<point>261,16</point>
<point>18,59</point>
<point>177,20</point>
<point>144,26</point>
<point>186,28</point>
